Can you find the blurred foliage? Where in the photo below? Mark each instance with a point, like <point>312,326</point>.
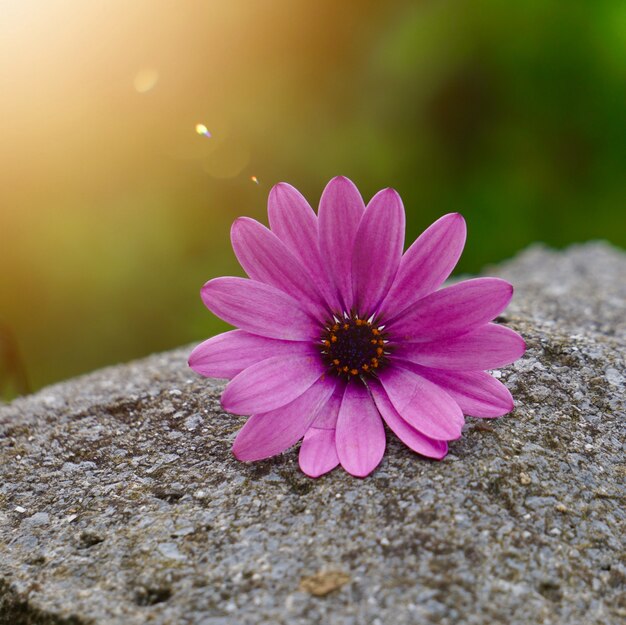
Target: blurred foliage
<point>113,211</point>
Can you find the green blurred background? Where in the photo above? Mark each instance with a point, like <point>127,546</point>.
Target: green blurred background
<point>114,211</point>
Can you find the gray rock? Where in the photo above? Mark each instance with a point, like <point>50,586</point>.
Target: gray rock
<point>120,502</point>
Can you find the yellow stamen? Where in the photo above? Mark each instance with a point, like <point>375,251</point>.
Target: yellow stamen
<point>354,371</point>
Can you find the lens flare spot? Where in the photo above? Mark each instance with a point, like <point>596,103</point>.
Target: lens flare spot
<point>201,129</point>
<point>146,79</point>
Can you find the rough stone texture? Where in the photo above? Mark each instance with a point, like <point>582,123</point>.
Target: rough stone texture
<point>121,503</point>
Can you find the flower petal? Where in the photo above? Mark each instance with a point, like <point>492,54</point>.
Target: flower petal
<point>318,454</point>
<point>341,209</point>
<point>294,222</point>
<point>264,257</point>
<point>422,404</point>
<point>258,308</point>
<point>487,347</point>
<point>413,439</point>
<point>477,393</point>
<point>453,311</point>
<point>360,435</point>
<point>227,354</point>
<point>427,263</point>
<point>327,416</point>
<point>272,383</point>
<point>377,250</point>
<point>265,435</point>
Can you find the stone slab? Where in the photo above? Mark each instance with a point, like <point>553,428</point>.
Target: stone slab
<point>121,504</point>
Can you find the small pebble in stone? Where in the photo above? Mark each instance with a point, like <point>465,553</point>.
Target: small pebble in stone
<point>524,479</point>
<point>324,582</point>
<point>561,508</point>
<point>614,377</point>
<point>39,518</point>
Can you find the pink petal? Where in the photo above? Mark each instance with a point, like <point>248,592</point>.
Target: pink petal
<point>264,257</point>
<point>413,439</point>
<point>377,250</point>
<point>294,222</point>
<point>453,311</point>
<point>360,435</point>
<point>327,416</point>
<point>258,308</point>
<point>477,393</point>
<point>318,454</point>
<point>272,383</point>
<point>227,354</point>
<point>422,404</point>
<point>487,347</point>
<point>341,209</point>
<point>268,434</point>
<point>427,263</point>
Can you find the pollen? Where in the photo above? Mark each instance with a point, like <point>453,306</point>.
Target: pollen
<point>353,346</point>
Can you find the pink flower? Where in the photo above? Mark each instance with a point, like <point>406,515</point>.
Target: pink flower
<point>340,331</point>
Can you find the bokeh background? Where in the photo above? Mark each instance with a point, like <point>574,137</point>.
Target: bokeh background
<point>114,210</point>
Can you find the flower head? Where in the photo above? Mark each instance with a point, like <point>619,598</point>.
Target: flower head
<point>339,331</point>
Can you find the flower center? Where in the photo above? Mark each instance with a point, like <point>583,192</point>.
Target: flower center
<point>353,346</point>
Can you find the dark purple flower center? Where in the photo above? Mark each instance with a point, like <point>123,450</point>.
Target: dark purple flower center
<point>353,346</point>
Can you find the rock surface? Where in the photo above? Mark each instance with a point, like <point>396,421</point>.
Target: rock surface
<point>120,502</point>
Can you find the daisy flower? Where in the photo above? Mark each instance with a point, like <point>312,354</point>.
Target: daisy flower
<point>339,332</point>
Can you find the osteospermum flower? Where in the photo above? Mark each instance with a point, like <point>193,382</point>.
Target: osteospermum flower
<point>338,332</point>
